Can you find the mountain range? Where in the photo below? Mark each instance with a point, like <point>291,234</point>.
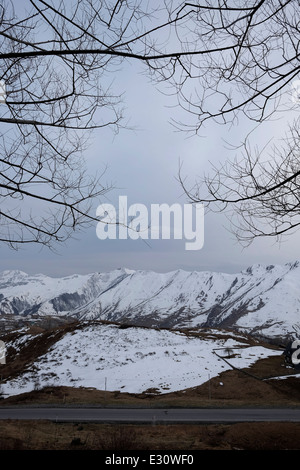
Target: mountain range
<point>260,300</point>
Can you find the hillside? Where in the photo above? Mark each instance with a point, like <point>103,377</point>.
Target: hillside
<point>103,356</point>
<point>97,363</point>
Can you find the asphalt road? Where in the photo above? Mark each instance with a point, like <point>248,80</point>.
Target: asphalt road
<point>138,415</point>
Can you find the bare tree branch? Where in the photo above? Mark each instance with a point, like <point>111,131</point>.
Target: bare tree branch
<point>221,60</point>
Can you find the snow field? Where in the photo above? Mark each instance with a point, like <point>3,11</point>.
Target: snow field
<point>107,357</point>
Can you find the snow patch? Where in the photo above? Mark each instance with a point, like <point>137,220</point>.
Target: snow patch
<point>134,360</point>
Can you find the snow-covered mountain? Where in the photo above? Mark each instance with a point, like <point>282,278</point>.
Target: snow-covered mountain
<point>262,300</point>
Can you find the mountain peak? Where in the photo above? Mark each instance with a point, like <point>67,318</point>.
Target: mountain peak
<point>261,299</point>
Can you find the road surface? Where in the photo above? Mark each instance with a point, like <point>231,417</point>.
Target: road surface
<point>150,415</point>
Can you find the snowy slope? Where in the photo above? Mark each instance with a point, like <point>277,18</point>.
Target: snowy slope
<point>21,293</point>
<point>263,300</point>
<point>133,360</point>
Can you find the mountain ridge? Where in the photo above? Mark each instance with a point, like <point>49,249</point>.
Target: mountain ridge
<point>262,299</point>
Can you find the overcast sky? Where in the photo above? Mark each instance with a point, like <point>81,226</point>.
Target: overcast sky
<point>143,166</point>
